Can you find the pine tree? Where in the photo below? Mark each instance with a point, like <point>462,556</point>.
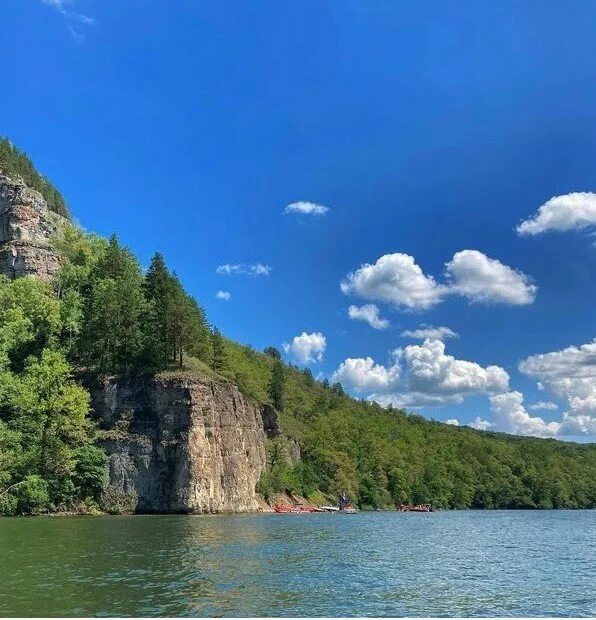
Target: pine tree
<point>157,291</point>
<point>276,386</point>
<point>116,308</point>
<point>218,351</point>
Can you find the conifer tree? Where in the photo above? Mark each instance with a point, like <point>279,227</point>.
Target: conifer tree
<point>218,351</point>
<point>276,386</point>
<point>116,308</point>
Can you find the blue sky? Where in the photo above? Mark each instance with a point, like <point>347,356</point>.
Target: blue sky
<point>426,128</point>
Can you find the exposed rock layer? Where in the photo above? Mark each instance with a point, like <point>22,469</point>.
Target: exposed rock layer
<point>26,228</point>
<point>184,444</point>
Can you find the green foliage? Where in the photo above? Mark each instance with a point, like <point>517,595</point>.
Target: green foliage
<point>218,356</point>
<point>281,474</point>
<point>90,475</point>
<point>45,433</point>
<point>176,323</point>
<point>14,162</point>
<point>276,386</point>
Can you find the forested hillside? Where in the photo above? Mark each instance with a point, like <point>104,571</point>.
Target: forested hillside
<point>103,315</point>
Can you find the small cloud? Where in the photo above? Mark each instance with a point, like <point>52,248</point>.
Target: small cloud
<point>369,313</point>
<point>72,16</point>
<point>428,331</point>
<point>223,295</point>
<point>257,269</point>
<point>306,208</point>
<point>307,348</point>
<point>547,406</point>
<point>452,422</point>
<point>480,424</point>
<point>575,211</point>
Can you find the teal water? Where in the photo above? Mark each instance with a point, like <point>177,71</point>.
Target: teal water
<point>509,563</point>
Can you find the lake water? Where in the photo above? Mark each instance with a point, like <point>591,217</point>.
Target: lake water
<point>446,563</point>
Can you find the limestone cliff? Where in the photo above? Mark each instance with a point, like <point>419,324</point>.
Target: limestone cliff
<point>26,227</point>
<point>183,443</point>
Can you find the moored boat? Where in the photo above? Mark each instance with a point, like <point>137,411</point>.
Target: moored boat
<point>415,508</point>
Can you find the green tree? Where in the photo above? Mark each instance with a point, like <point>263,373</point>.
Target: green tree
<point>276,385</point>
<point>219,362</point>
<point>113,338</point>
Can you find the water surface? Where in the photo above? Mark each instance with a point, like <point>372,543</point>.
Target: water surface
<point>520,563</point>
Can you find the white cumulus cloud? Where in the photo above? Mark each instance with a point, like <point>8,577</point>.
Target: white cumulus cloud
<point>428,331</point>
<point>306,208</point>
<point>395,279</point>
<point>398,280</point>
<point>569,374</point>
<point>575,211</point>
<point>452,421</point>
<point>363,375</point>
<point>369,313</point>
<point>307,348</point>
<point>481,424</point>
<point>257,269</point>
<point>420,375</point>
<point>511,416</point>
<point>223,295</point>
<point>482,279</point>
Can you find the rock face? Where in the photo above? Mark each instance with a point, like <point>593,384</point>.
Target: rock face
<point>26,227</point>
<point>183,444</point>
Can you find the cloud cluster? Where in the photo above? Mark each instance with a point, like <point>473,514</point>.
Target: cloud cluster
<point>369,313</point>
<point>428,331</point>
<point>306,208</point>
<point>307,348</point>
<point>569,374</point>
<point>363,375</point>
<point>257,269</point>
<point>480,424</point>
<point>223,295</point>
<point>420,375</point>
<point>574,211</point>
<point>398,280</point>
<point>512,417</point>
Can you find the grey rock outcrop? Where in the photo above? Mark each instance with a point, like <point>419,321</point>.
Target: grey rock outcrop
<point>183,444</point>
<point>26,228</point>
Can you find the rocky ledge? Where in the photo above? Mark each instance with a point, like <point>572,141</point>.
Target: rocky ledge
<point>185,444</point>
<point>26,228</point>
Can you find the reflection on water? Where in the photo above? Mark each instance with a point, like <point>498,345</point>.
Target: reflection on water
<point>450,563</point>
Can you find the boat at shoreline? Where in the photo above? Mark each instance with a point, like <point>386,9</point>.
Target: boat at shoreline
<point>415,508</point>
